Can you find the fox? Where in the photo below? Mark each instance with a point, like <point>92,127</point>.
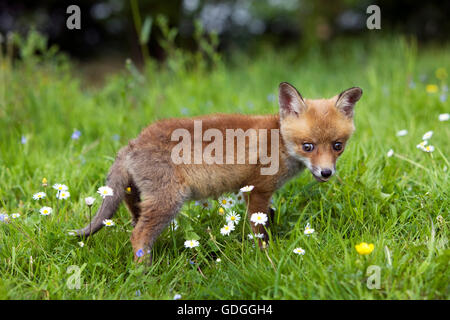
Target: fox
<point>305,133</point>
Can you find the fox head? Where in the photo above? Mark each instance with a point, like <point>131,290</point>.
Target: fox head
<point>316,131</point>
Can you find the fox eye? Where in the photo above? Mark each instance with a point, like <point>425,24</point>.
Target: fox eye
<point>308,147</point>
<point>337,146</point>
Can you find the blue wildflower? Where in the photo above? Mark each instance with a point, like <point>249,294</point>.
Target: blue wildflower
<point>140,253</point>
<point>76,135</point>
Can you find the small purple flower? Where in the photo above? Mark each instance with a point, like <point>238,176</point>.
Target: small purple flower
<point>76,135</point>
<point>140,253</point>
<point>138,293</point>
<point>177,297</point>
<point>23,140</point>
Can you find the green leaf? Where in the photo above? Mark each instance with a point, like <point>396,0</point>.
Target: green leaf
<point>145,30</point>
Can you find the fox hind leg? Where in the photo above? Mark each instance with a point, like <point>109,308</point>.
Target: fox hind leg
<point>157,211</point>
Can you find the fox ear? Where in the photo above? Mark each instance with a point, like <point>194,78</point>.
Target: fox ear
<point>346,101</point>
<point>290,100</point>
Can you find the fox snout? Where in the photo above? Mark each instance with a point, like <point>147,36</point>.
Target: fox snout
<point>322,174</point>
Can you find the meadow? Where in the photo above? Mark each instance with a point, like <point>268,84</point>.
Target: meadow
<point>55,126</point>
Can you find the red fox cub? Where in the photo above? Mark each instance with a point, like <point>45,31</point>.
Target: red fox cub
<point>176,160</point>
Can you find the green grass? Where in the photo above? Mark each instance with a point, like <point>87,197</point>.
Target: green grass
<point>393,202</point>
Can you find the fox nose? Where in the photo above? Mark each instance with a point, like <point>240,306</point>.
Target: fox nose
<point>326,173</point>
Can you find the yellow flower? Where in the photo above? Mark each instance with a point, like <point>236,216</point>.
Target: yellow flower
<point>441,73</point>
<point>128,190</point>
<point>221,211</point>
<point>44,182</point>
<point>432,88</point>
<point>364,248</point>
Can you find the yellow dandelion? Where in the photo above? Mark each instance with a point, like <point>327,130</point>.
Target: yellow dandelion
<point>364,248</point>
<point>432,88</point>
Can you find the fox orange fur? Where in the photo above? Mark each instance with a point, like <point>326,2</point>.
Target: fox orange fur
<point>313,134</point>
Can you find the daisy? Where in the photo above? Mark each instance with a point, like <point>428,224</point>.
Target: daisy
<point>259,218</point>
<point>299,251</point>
<point>427,135</point>
<point>225,202</point>
<point>60,187</point>
<point>191,243</point>
<point>108,222</point>
<point>89,201</point>
<point>247,188</point>
<point>227,229</point>
<point>105,191</point>
<point>81,244</point>
<point>62,195</point>
<point>177,297</point>
<point>15,215</point>
<point>45,211</point>
<point>422,145</point>
<point>308,230</point>
<point>39,195</point>
<point>444,117</point>
<point>257,236</point>
<point>390,153</point>
<point>239,197</point>
<point>428,149</point>
<point>402,133</point>
<point>205,204</point>
<point>233,217</point>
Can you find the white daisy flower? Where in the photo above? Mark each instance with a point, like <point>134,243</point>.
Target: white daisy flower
<point>15,215</point>
<point>239,197</point>
<point>233,217</point>
<point>105,191</point>
<point>299,251</point>
<point>427,135</point>
<point>177,297</point>
<point>308,230</point>
<point>60,187</point>
<point>81,244</point>
<point>259,218</point>
<point>225,202</point>
<point>71,233</point>
<point>45,211</point>
<point>89,201</point>
<point>108,222</point>
<point>429,148</point>
<point>205,204</point>
<point>218,260</point>
<point>39,195</point>
<point>422,145</point>
<point>390,153</point>
<point>444,117</point>
<point>402,133</point>
<point>257,236</point>
<point>247,188</point>
<point>226,229</point>
<point>62,195</point>
<point>191,243</point>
